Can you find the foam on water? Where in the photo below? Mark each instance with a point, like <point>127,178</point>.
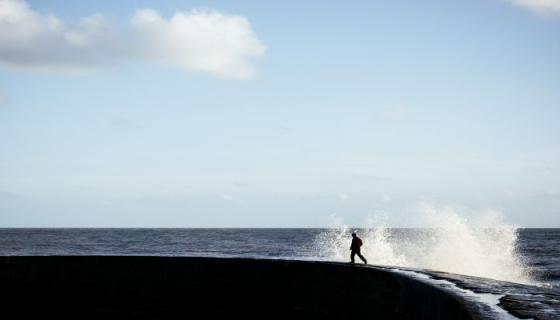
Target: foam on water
<point>484,248</point>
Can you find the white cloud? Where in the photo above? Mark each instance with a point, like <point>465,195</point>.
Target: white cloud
<point>31,40</point>
<point>197,40</point>
<point>543,7</point>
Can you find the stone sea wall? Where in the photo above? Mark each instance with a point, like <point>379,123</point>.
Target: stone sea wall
<point>208,288</point>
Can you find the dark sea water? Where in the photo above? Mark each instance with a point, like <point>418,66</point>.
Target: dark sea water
<point>538,249</point>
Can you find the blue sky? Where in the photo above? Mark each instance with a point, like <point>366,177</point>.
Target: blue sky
<point>283,114</point>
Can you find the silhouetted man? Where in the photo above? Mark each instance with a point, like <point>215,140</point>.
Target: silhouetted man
<point>355,248</point>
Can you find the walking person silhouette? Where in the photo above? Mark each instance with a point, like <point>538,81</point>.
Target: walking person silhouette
<point>355,248</point>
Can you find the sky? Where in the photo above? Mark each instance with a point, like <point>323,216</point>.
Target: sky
<point>278,114</point>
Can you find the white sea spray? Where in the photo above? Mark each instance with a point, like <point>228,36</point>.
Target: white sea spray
<point>485,247</point>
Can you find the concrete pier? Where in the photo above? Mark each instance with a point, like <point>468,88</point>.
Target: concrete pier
<point>196,288</point>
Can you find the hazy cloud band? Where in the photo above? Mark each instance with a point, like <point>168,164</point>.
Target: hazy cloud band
<point>543,7</point>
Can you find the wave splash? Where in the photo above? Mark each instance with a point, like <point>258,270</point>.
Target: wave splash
<point>486,248</point>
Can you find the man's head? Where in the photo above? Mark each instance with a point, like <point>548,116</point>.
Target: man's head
<point>353,234</point>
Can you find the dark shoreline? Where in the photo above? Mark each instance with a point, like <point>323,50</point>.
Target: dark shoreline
<point>151,287</point>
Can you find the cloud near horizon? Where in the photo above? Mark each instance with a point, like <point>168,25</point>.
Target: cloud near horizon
<point>542,7</point>
<point>196,40</point>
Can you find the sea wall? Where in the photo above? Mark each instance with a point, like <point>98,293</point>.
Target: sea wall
<point>197,288</point>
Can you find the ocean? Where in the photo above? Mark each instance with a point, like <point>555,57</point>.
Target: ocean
<point>530,256</point>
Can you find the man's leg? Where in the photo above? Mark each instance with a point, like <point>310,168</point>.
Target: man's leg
<point>362,257</point>
<point>352,254</point>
